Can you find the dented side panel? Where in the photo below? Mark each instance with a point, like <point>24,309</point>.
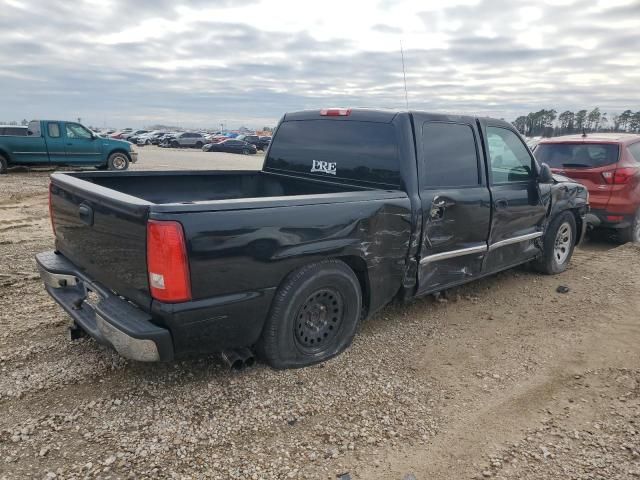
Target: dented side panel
<point>245,255</point>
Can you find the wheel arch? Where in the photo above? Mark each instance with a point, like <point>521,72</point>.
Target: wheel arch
<point>359,267</point>
<point>118,150</point>
<point>5,154</point>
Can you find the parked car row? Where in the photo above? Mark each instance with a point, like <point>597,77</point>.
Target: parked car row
<point>231,145</point>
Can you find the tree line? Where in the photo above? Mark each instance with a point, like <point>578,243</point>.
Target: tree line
<point>547,123</point>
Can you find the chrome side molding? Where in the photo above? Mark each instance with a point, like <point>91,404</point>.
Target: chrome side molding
<point>453,253</point>
<point>512,240</point>
<point>478,249</point>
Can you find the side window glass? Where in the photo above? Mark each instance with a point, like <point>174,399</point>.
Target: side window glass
<point>635,151</point>
<point>53,129</point>
<point>510,160</point>
<point>450,155</point>
<point>74,130</point>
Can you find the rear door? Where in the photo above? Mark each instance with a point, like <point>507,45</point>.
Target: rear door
<point>81,146</point>
<point>56,142</point>
<point>455,198</point>
<point>187,140</point>
<point>232,146</point>
<point>518,211</point>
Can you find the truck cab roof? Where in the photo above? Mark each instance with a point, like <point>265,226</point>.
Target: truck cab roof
<point>380,115</point>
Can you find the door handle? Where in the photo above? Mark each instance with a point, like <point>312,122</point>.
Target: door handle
<point>501,204</point>
<point>436,212</point>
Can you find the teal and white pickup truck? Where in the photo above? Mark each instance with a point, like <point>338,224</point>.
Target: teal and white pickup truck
<point>56,142</point>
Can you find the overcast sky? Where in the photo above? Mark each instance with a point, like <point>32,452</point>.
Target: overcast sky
<point>202,62</point>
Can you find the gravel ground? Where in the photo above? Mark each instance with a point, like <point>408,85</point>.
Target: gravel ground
<point>503,378</point>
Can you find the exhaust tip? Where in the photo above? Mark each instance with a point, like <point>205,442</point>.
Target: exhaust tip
<point>238,359</point>
<point>232,359</point>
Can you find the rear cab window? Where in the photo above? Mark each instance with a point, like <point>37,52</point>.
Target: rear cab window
<point>53,129</point>
<point>337,150</point>
<point>577,155</point>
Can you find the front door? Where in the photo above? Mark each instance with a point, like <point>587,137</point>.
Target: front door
<point>456,202</point>
<point>519,212</point>
<point>81,146</point>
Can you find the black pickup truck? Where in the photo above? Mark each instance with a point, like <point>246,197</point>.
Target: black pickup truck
<point>352,209</point>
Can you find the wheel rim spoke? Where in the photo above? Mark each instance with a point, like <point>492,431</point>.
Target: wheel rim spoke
<point>318,320</point>
<point>562,244</point>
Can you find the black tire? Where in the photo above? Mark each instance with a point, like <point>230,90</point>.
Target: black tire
<point>555,259</point>
<point>118,161</point>
<point>4,165</point>
<point>314,316</point>
<point>245,151</point>
<point>198,144</point>
<point>175,144</point>
<point>632,232</point>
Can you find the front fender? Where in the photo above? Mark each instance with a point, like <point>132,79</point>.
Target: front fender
<point>569,195</point>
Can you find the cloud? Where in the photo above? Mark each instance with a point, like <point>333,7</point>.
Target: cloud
<point>199,62</point>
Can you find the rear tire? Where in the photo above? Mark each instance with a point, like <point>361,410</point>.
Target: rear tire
<point>4,165</point>
<point>558,244</point>
<point>632,232</point>
<point>314,316</point>
<point>118,161</point>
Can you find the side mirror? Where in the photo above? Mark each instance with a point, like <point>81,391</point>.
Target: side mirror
<point>544,174</point>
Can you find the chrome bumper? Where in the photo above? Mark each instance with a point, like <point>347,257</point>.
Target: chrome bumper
<point>107,318</point>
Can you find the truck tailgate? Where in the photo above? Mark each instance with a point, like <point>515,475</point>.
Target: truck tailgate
<point>103,232</point>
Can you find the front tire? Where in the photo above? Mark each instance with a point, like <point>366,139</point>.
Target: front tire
<point>118,161</point>
<point>632,232</point>
<point>4,165</point>
<point>314,316</point>
<point>558,244</point>
<point>198,144</point>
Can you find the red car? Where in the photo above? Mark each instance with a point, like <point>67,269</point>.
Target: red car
<point>608,164</point>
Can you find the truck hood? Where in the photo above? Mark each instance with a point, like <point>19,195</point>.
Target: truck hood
<point>114,143</point>
<point>561,178</point>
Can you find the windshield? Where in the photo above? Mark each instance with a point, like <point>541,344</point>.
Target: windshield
<point>576,155</point>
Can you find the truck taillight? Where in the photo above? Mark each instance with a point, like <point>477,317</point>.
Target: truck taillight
<point>167,262</point>
<point>53,224</point>
<point>620,175</point>
<point>335,112</point>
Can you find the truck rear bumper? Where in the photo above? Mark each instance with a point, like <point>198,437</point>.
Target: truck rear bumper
<point>107,318</point>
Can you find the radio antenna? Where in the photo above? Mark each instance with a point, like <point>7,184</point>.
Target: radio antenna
<point>404,75</point>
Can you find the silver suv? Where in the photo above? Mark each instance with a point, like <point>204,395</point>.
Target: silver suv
<point>184,139</point>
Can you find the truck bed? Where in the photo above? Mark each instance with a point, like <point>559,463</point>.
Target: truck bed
<point>100,218</point>
<point>193,187</point>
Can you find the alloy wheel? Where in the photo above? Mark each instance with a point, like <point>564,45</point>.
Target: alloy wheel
<point>562,244</point>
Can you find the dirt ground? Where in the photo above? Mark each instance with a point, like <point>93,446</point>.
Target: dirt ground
<point>504,378</point>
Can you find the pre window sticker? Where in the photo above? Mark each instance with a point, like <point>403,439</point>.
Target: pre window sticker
<point>324,167</point>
